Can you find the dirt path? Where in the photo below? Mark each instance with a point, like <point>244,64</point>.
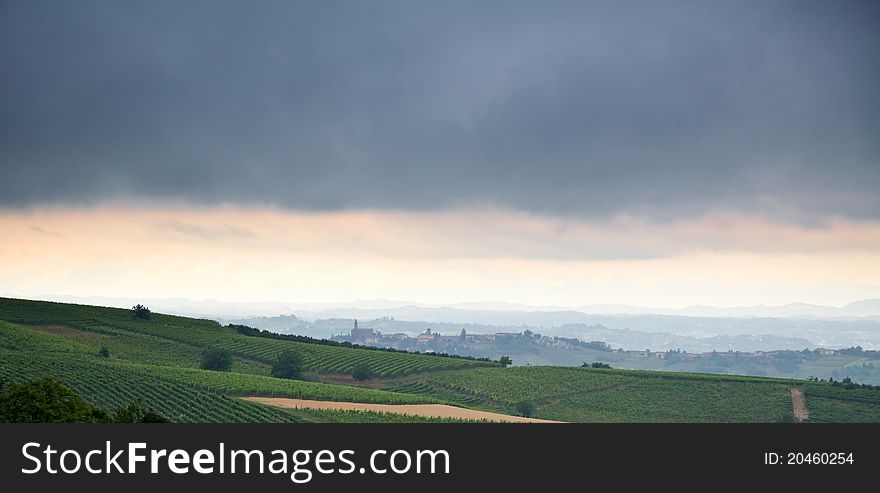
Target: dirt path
<point>799,404</point>
<point>429,410</point>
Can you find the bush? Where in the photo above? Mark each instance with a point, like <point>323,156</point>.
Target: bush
<point>361,372</point>
<point>525,409</point>
<point>46,401</point>
<point>505,361</point>
<point>216,359</point>
<point>289,365</point>
<point>141,312</point>
<point>595,365</point>
<point>104,352</point>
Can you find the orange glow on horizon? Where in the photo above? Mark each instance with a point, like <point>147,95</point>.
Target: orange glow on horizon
<point>229,253</point>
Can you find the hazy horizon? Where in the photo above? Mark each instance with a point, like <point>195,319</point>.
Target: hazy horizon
<point>279,308</point>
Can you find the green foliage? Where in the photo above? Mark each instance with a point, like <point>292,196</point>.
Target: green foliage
<point>506,387</point>
<point>526,409</point>
<point>137,412</point>
<point>128,346</point>
<point>362,372</point>
<point>505,361</point>
<point>46,401</point>
<point>838,403</point>
<point>216,359</point>
<point>141,312</point>
<point>442,394</point>
<point>675,400</point>
<point>104,352</point>
<point>603,395</point>
<point>595,365</point>
<point>289,365</point>
<point>40,360</point>
<point>230,383</point>
<point>157,361</point>
<point>112,384</point>
<point>200,334</point>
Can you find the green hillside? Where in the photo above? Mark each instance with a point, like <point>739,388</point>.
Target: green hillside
<point>159,361</point>
<point>192,335</point>
<point>601,395</point>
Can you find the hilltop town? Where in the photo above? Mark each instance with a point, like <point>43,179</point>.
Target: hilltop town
<point>529,347</point>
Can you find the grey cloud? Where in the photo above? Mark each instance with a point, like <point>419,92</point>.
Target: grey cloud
<point>660,109</point>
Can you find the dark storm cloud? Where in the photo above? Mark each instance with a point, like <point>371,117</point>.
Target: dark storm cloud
<point>577,108</point>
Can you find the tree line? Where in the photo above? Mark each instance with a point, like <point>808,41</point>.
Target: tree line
<point>50,401</point>
<point>250,331</point>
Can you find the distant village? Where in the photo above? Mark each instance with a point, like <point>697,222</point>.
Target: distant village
<point>431,341</point>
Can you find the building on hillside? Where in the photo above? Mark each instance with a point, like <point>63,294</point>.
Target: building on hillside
<point>363,336</point>
<point>427,336</point>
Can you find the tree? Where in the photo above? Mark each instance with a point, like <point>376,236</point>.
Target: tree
<point>526,409</point>
<point>505,361</point>
<point>137,412</point>
<point>104,352</point>
<point>595,365</point>
<point>46,401</point>
<point>289,365</point>
<point>216,359</point>
<point>361,372</point>
<point>141,312</point>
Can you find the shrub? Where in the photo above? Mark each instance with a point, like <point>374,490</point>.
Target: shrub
<point>361,372</point>
<point>216,359</point>
<point>595,365</point>
<point>46,401</point>
<point>141,312</point>
<point>289,365</point>
<point>525,409</point>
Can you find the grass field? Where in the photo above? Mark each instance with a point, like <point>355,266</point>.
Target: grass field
<point>158,360</point>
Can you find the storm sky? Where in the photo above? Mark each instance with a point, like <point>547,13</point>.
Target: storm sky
<point>586,131</point>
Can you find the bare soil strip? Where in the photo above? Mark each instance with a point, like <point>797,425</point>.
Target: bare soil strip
<point>799,404</point>
<point>427,410</point>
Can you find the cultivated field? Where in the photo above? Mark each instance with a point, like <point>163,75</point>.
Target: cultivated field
<point>159,361</point>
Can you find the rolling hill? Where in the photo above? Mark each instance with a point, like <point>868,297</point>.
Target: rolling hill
<point>159,360</point>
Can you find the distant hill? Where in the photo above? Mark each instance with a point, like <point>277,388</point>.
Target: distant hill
<point>110,358</point>
<point>233,310</point>
<point>656,332</point>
